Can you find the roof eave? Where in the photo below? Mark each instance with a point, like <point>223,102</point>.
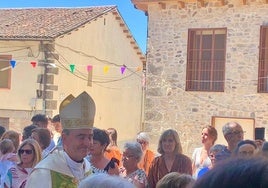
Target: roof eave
<point>129,35</point>
<point>84,23</point>
<point>27,38</point>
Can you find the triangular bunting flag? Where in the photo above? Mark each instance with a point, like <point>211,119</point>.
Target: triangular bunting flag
<point>123,68</point>
<point>106,69</point>
<point>12,63</point>
<point>72,68</point>
<point>33,63</point>
<point>89,68</point>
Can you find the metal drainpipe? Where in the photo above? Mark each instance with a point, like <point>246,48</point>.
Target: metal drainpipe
<point>44,78</point>
<point>143,100</point>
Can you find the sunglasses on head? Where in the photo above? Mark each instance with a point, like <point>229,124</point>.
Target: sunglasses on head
<point>141,142</point>
<point>26,151</point>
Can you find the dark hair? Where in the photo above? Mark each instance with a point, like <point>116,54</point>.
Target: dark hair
<point>264,149</point>
<point>66,131</point>
<point>264,146</point>
<point>44,137</point>
<point>2,130</point>
<point>222,155</point>
<point>101,136</point>
<point>220,152</point>
<point>243,142</point>
<point>217,148</point>
<point>236,172</point>
<point>40,118</point>
<point>56,118</point>
<point>27,131</point>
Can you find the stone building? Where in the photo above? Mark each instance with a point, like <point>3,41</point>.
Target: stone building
<point>206,64</point>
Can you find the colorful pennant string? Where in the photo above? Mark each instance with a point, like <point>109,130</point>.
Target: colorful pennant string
<point>72,67</point>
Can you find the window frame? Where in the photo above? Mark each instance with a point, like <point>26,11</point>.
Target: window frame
<point>263,62</point>
<point>194,71</point>
<point>6,58</point>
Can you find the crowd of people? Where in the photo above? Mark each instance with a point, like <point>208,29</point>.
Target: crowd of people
<point>81,155</point>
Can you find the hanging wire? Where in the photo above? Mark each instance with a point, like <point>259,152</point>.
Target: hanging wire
<point>81,76</point>
<point>98,59</point>
<point>64,67</point>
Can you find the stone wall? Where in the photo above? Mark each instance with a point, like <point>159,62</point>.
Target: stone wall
<point>167,103</point>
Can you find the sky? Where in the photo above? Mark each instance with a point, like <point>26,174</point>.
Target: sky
<point>134,18</point>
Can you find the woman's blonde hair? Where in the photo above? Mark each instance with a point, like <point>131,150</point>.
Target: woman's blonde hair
<point>36,150</point>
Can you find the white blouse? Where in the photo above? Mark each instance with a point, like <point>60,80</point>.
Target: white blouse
<point>197,161</point>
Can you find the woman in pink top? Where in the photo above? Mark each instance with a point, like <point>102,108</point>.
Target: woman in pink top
<point>29,153</point>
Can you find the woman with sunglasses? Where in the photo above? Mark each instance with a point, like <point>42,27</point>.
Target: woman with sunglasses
<point>132,155</point>
<point>29,154</point>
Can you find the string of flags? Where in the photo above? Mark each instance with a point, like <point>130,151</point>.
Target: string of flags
<point>72,67</point>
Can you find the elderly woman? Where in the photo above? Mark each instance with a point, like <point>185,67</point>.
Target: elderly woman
<point>148,155</point>
<point>29,153</point>
<point>98,162</point>
<point>217,154</point>
<point>171,159</point>
<point>131,156</point>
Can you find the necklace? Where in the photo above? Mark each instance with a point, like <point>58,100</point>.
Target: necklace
<point>95,169</point>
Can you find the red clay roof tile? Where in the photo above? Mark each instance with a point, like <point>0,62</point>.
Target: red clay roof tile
<point>45,23</point>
